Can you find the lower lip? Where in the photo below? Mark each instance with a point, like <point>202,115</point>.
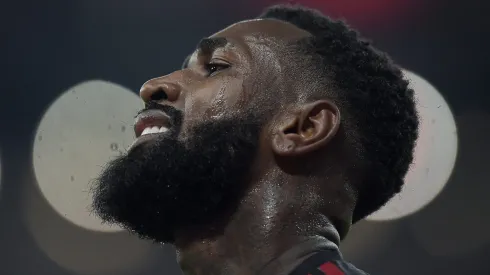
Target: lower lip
<point>143,139</point>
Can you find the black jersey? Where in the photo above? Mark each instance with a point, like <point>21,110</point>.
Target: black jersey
<point>326,262</point>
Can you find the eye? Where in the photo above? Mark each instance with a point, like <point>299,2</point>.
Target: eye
<point>213,68</point>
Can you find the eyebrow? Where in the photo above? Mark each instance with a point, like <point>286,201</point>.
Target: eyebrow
<point>207,46</point>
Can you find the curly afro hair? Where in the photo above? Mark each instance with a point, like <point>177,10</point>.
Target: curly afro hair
<point>377,105</point>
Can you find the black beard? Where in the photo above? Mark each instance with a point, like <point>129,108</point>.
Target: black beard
<point>168,185</point>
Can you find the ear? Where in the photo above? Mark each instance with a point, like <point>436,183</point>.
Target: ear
<point>308,129</point>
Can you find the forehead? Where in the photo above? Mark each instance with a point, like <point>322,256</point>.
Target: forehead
<point>262,29</point>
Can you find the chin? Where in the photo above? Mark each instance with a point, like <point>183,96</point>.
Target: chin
<point>163,186</point>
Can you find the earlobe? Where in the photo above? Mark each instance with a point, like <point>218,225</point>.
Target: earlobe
<point>306,130</point>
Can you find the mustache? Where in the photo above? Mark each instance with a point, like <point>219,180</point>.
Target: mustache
<point>174,114</point>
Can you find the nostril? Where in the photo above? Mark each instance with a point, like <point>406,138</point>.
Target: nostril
<point>159,95</point>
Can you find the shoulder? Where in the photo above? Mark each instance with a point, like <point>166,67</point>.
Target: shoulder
<point>347,268</point>
<point>327,263</point>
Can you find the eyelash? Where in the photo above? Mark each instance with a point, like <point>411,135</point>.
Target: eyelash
<point>217,67</point>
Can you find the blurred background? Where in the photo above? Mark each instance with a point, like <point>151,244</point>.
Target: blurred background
<point>70,72</point>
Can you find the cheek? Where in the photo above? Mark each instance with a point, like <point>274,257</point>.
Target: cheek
<point>214,99</point>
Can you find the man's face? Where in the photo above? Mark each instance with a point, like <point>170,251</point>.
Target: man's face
<point>199,135</point>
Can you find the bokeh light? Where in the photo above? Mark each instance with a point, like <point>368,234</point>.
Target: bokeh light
<point>457,222</point>
<point>86,252</point>
<point>85,127</point>
<point>435,153</point>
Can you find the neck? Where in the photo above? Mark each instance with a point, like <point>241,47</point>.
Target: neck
<point>263,237</point>
<point>237,256</point>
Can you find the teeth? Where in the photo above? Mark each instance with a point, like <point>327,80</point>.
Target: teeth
<point>145,131</point>
<point>154,130</point>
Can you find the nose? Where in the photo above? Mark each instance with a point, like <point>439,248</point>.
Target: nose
<point>159,90</point>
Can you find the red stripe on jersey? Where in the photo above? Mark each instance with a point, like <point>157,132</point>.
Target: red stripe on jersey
<point>330,269</point>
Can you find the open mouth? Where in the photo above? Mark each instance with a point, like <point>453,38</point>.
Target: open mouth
<point>151,122</point>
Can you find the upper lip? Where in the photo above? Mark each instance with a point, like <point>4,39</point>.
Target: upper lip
<point>150,118</point>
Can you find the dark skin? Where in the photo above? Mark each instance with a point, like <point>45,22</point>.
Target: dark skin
<point>291,199</point>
